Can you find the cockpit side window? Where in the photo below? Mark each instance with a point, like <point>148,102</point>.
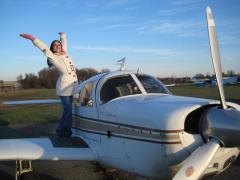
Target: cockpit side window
<point>86,95</point>
<point>117,87</point>
<point>152,85</point>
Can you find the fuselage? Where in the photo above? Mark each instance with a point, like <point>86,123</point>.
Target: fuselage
<point>135,130</point>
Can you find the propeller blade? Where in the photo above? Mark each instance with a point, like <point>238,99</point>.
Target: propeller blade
<point>198,161</point>
<point>215,55</point>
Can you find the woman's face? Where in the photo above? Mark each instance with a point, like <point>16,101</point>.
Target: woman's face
<point>57,47</point>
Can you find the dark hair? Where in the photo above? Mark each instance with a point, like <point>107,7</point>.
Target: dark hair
<point>51,49</point>
<point>49,63</point>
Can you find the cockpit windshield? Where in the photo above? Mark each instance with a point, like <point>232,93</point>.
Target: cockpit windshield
<point>118,86</point>
<point>152,85</point>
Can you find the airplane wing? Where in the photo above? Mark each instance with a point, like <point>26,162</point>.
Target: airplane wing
<point>47,101</point>
<point>52,148</point>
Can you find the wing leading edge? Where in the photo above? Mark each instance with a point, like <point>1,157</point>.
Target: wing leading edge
<point>47,101</point>
<point>52,148</point>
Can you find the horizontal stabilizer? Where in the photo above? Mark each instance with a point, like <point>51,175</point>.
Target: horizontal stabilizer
<point>47,101</point>
<point>53,148</point>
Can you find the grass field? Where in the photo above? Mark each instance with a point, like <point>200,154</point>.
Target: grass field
<point>232,92</point>
<point>29,113</point>
<point>51,113</point>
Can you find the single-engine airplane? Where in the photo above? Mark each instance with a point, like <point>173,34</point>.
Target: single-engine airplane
<point>131,121</point>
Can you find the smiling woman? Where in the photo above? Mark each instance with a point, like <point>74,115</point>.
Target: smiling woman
<point>67,83</point>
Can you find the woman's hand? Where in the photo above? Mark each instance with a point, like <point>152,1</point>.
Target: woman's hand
<point>28,36</point>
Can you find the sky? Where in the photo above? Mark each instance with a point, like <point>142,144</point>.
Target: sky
<point>161,38</point>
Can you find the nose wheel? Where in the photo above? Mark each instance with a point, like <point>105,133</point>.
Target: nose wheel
<point>24,170</point>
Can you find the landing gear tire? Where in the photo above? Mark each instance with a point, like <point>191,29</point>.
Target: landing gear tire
<point>24,170</point>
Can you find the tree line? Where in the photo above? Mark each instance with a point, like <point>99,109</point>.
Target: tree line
<point>47,77</point>
<point>229,73</point>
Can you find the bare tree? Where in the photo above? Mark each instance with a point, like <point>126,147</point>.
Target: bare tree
<point>48,77</point>
<point>85,73</point>
<point>105,70</point>
<point>231,73</point>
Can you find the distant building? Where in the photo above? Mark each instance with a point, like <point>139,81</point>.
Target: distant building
<point>9,85</point>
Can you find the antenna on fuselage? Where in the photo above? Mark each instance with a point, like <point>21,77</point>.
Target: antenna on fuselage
<point>137,70</point>
<point>121,62</point>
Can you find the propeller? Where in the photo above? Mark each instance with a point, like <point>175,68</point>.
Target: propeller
<point>218,126</point>
<point>215,55</point>
<point>197,162</point>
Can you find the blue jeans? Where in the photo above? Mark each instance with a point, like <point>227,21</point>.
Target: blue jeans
<point>65,125</point>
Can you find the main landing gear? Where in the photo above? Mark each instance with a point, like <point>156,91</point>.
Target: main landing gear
<point>24,170</point>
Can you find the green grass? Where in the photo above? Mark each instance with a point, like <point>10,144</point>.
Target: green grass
<point>28,94</point>
<point>232,92</point>
<point>29,113</point>
<point>51,113</point>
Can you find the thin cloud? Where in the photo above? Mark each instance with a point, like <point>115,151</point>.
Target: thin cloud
<point>132,8</point>
<point>174,11</point>
<point>227,40</point>
<point>229,23</point>
<point>163,52</point>
<point>114,26</point>
<point>117,3</point>
<point>90,5</point>
<point>180,29</point>
<point>102,19</point>
<point>187,2</point>
<point>30,58</point>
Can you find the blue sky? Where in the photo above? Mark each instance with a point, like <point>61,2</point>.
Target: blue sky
<point>161,38</point>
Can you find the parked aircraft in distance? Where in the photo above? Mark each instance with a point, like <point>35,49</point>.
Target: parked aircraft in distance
<point>230,80</point>
<point>208,82</point>
<point>201,82</point>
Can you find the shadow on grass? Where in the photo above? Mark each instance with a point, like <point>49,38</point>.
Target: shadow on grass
<point>4,123</point>
<point>43,176</point>
<point>7,170</point>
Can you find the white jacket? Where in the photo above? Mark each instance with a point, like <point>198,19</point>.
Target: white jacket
<point>67,82</point>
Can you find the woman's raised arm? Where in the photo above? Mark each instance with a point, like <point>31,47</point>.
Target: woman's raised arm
<point>42,46</point>
<point>28,36</point>
<point>63,39</point>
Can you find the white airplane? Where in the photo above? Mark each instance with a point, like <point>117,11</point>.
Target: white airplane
<point>132,122</point>
<point>201,82</point>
